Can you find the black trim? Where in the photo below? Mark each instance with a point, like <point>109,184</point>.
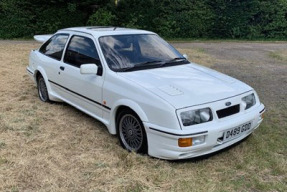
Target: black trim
<point>29,71</point>
<point>106,107</point>
<point>228,111</point>
<point>191,134</point>
<point>262,110</point>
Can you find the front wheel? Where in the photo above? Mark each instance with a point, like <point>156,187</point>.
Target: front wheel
<point>131,132</point>
<point>42,90</point>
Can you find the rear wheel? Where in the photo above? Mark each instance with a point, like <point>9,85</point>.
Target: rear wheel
<point>131,132</point>
<point>42,90</point>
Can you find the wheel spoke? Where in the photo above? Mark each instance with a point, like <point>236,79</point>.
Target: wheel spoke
<point>130,132</point>
<point>125,123</point>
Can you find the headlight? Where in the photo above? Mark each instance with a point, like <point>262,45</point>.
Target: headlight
<point>249,101</point>
<point>196,116</point>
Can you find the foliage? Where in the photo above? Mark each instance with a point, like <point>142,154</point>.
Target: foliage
<point>102,17</point>
<point>246,19</point>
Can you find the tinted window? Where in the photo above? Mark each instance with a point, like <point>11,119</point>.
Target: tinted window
<point>54,46</point>
<point>81,50</point>
<point>138,52</point>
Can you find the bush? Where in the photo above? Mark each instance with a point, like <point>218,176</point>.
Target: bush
<point>102,17</point>
<point>21,19</point>
<point>246,19</point>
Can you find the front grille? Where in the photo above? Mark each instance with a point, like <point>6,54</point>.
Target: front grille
<point>228,111</point>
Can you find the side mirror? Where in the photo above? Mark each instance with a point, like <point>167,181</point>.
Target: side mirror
<point>185,56</point>
<point>89,69</point>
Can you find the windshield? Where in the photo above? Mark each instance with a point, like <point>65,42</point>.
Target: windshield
<point>137,52</point>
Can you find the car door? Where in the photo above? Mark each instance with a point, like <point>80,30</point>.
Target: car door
<point>82,90</point>
<point>51,61</point>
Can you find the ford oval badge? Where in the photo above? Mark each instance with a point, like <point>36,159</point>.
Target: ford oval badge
<point>228,103</point>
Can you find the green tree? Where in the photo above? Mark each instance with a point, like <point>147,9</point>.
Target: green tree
<point>170,18</point>
<point>272,19</point>
<point>29,17</point>
<point>232,17</point>
<point>102,17</point>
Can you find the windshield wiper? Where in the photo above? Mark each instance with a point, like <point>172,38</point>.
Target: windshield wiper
<point>154,63</point>
<point>142,65</point>
<point>148,63</point>
<point>177,59</point>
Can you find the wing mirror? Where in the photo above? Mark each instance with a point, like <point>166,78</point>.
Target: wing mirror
<point>89,69</point>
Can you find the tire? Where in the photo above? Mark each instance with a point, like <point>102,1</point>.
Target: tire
<point>131,132</point>
<point>42,89</point>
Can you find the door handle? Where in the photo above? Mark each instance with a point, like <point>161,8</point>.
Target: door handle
<point>62,68</point>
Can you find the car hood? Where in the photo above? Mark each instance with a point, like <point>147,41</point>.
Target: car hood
<point>187,85</point>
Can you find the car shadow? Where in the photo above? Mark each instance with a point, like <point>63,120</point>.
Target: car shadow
<point>98,124</point>
<point>101,127</point>
<point>206,157</point>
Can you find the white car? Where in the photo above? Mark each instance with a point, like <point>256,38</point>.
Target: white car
<point>145,91</point>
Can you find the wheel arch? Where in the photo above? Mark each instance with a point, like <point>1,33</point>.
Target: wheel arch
<point>40,71</point>
<point>125,104</point>
<point>37,74</point>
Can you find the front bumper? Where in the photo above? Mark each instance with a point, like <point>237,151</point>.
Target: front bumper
<point>163,143</point>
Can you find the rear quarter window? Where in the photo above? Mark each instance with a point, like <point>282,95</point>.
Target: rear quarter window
<point>54,46</point>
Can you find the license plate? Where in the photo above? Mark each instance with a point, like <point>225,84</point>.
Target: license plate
<point>236,131</point>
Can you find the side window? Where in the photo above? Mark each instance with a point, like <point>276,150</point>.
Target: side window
<point>81,50</point>
<point>54,46</point>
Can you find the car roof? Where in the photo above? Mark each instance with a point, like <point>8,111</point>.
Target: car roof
<point>98,31</point>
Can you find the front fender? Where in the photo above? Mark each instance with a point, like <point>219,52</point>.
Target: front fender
<point>130,104</point>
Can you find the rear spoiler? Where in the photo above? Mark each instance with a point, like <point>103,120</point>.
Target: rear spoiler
<point>42,38</point>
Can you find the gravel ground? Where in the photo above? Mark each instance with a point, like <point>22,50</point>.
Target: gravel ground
<point>251,63</point>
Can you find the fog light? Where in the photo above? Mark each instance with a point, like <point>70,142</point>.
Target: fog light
<point>198,140</point>
<point>184,142</point>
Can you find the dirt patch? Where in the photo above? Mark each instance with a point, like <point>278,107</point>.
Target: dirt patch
<point>54,147</point>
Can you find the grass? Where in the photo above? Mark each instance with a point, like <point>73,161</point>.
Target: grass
<point>279,55</point>
<point>54,147</point>
<point>198,55</point>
